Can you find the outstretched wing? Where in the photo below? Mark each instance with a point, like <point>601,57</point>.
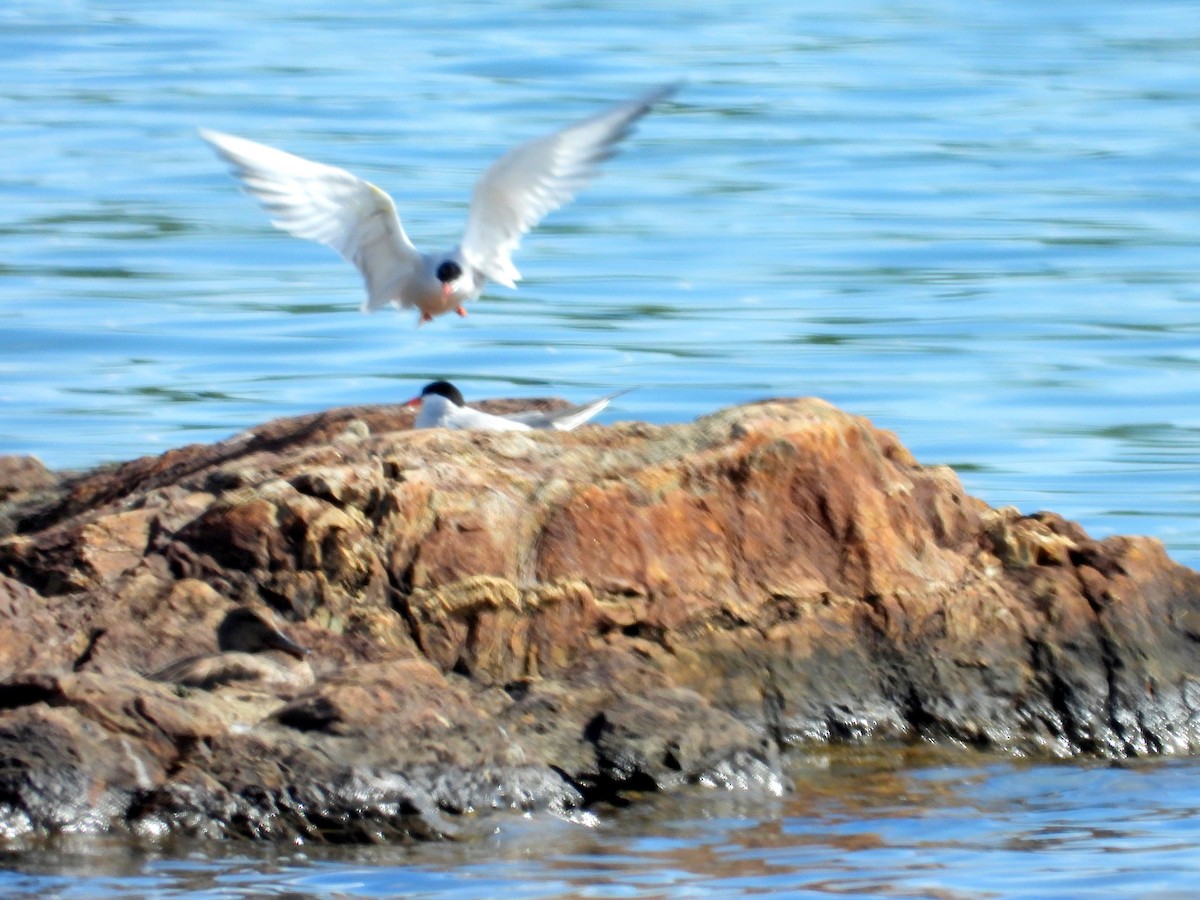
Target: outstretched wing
<point>328,205</point>
<point>539,176</point>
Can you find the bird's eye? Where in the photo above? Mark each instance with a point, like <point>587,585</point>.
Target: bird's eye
<point>448,271</point>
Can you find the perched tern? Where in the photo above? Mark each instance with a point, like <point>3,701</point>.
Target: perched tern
<point>442,406</point>
<point>247,645</point>
<point>359,220</point>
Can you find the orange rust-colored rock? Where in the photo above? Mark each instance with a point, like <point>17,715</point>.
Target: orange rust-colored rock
<point>525,619</point>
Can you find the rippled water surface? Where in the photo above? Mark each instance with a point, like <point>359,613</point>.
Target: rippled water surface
<point>974,223</point>
<point>865,823</point>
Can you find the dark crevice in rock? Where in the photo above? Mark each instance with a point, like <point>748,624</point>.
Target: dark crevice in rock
<point>28,691</point>
<point>921,721</point>
<point>1060,696</point>
<point>774,707</point>
<point>517,690</point>
<point>843,724</point>
<point>86,656</point>
<point>670,759</point>
<point>646,631</point>
<point>1150,738</point>
<point>1090,554</point>
<point>1110,656</point>
<point>399,592</point>
<point>279,601</point>
<point>316,714</point>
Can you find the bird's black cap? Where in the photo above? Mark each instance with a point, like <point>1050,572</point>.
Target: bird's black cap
<point>448,271</point>
<point>444,388</point>
<point>246,631</point>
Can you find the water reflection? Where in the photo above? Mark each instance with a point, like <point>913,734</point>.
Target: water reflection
<point>895,821</point>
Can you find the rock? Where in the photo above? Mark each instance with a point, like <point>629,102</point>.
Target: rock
<point>528,620</point>
<point>21,476</point>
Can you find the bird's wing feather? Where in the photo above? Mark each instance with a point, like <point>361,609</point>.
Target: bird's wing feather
<point>328,205</point>
<point>565,419</point>
<point>539,176</point>
<point>466,418</point>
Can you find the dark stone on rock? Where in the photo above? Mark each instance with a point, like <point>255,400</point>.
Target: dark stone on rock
<point>544,621</point>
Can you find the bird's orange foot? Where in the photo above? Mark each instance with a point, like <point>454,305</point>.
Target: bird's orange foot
<point>462,312</point>
<point>425,317</point>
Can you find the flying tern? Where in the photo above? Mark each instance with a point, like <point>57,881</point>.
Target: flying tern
<point>359,220</point>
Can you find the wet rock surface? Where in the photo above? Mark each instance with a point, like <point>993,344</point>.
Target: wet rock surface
<point>525,620</point>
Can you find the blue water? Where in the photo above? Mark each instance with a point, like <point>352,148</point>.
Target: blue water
<point>860,824</point>
<point>974,223</point>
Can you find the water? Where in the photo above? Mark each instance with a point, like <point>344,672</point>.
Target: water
<point>975,224</point>
<point>863,823</point>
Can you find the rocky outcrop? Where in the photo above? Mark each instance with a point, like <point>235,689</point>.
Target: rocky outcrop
<point>522,620</point>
